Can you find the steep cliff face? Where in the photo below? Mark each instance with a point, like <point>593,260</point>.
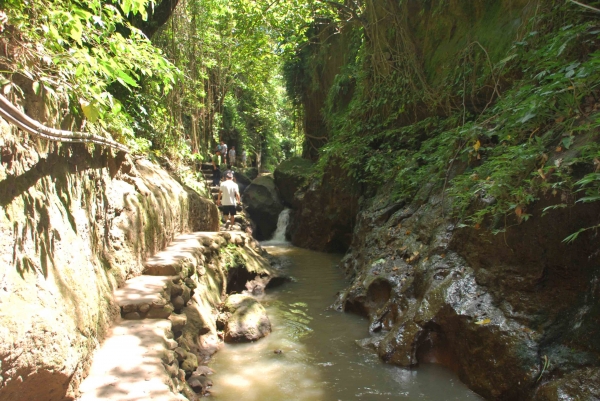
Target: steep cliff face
<point>74,225</point>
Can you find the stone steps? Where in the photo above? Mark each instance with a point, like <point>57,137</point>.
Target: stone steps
<point>184,255</point>
<point>130,364</point>
<point>140,360</point>
<point>146,297</point>
<point>168,320</point>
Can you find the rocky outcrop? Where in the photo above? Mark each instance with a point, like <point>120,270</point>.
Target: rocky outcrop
<point>290,176</point>
<point>246,320</point>
<point>324,219</point>
<point>75,224</point>
<point>263,205</point>
<point>512,314</point>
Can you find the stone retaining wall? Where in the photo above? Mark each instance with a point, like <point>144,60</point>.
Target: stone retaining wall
<point>75,223</point>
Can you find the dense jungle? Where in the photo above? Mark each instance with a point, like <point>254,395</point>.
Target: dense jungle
<point>416,209</point>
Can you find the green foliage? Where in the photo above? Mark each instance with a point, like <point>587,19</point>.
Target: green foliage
<point>496,131</point>
<point>535,121</point>
<point>229,52</point>
<point>111,77</point>
<point>73,52</point>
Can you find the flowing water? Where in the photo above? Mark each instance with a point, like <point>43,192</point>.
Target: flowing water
<point>279,236</point>
<point>319,359</point>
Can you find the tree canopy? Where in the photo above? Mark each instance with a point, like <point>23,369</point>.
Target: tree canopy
<point>362,79</point>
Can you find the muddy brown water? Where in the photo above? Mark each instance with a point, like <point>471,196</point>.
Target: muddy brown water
<point>320,360</point>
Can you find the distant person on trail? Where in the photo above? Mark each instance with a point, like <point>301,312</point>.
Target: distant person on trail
<point>232,156</point>
<point>244,157</point>
<point>216,170</point>
<point>224,151</point>
<point>230,192</point>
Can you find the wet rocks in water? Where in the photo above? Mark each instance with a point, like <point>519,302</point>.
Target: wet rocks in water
<point>247,321</point>
<point>200,384</point>
<point>204,371</point>
<point>583,384</point>
<point>371,343</point>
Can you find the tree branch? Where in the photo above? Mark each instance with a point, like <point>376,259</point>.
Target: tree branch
<point>157,17</point>
<point>585,6</point>
<point>344,7</point>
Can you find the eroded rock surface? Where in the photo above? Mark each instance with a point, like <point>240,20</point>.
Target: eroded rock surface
<point>290,176</point>
<point>492,308</point>
<point>324,219</point>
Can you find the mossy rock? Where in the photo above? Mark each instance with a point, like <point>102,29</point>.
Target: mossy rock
<point>583,384</point>
<point>290,176</point>
<point>248,320</point>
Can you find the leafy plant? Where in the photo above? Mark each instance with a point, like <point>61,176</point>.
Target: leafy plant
<point>73,53</point>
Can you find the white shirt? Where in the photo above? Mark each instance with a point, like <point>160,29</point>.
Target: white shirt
<point>228,191</point>
<point>232,154</point>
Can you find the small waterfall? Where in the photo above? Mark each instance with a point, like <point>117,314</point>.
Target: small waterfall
<point>282,223</point>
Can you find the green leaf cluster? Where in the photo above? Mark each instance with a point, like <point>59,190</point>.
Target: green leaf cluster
<point>74,53</point>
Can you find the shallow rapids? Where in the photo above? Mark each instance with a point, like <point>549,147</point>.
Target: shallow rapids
<point>319,359</point>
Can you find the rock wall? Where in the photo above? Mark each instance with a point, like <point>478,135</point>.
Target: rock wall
<point>75,223</point>
<point>515,314</point>
<point>325,213</point>
<point>291,176</point>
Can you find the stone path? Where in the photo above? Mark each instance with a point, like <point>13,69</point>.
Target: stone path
<point>129,364</point>
<point>140,360</point>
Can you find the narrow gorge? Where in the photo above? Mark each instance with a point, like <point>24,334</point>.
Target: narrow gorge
<point>418,210</point>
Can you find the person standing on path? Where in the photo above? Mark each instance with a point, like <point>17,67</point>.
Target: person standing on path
<point>230,194</point>
<point>216,170</point>
<point>244,157</point>
<point>232,156</point>
<point>224,151</point>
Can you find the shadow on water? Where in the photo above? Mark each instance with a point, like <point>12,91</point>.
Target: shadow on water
<point>319,359</point>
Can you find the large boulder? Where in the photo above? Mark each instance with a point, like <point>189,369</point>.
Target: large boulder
<point>263,205</point>
<point>325,216</point>
<point>247,321</point>
<point>290,176</point>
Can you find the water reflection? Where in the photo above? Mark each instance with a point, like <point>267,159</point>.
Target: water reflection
<point>319,357</point>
